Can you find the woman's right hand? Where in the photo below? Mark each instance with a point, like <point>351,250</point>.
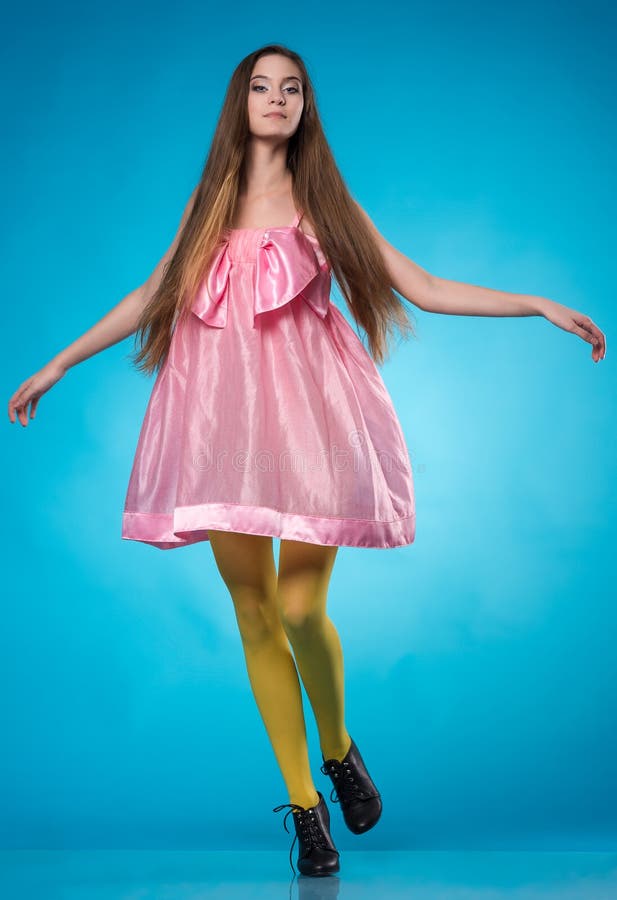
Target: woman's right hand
<point>32,389</point>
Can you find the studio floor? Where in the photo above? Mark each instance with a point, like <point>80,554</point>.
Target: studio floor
<point>267,875</point>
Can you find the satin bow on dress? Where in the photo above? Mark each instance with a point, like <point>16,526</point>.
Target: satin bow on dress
<point>286,266</point>
<point>268,416</point>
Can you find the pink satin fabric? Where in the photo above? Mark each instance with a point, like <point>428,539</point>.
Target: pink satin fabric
<point>269,416</point>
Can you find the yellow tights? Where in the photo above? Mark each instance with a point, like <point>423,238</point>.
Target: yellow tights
<point>276,610</point>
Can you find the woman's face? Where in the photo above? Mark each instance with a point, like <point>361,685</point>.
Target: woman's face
<point>275,98</point>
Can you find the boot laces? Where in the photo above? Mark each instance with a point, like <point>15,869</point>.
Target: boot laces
<point>346,788</point>
<point>308,826</point>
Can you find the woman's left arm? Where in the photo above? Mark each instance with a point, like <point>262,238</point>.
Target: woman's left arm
<point>456,298</point>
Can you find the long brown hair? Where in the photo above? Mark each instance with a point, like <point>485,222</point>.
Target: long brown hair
<point>318,189</point>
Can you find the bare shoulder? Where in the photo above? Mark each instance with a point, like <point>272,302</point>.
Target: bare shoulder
<point>306,226</point>
<point>406,276</point>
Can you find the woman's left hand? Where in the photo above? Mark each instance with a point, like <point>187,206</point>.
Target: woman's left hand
<point>577,323</point>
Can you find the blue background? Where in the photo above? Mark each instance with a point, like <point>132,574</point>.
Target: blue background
<point>480,663</point>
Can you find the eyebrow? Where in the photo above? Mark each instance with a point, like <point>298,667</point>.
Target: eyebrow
<point>287,78</point>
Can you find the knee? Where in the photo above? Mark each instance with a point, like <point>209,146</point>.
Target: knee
<point>256,615</point>
<point>300,617</point>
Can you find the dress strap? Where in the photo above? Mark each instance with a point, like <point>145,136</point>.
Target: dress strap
<point>297,217</point>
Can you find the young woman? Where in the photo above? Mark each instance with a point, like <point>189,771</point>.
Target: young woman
<point>268,417</point>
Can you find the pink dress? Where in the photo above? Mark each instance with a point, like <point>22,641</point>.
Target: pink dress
<point>269,416</point>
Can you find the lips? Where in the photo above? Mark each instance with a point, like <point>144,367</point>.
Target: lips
<point>278,115</point>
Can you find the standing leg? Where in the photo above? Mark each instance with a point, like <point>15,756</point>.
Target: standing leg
<point>246,564</point>
<point>303,578</point>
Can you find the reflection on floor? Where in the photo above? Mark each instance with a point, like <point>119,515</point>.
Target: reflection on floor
<point>267,875</point>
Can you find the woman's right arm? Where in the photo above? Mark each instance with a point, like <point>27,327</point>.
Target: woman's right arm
<point>121,321</point>
<point>116,325</point>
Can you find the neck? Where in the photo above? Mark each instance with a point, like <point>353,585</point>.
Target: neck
<point>265,171</point>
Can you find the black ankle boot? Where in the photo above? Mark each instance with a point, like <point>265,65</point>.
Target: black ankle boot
<point>317,854</point>
<point>359,798</point>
